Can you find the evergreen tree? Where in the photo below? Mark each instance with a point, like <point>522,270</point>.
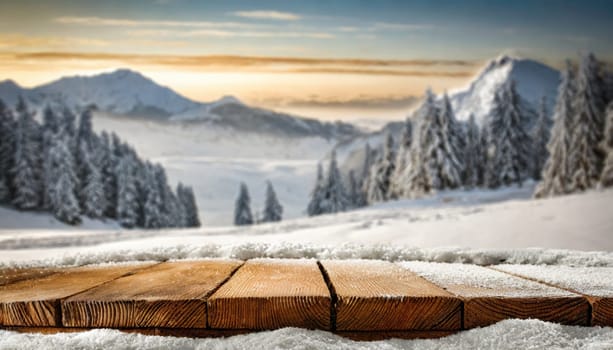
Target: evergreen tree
<point>152,210</point>
<point>473,161</point>
<point>354,196</point>
<point>586,157</point>
<point>27,167</point>
<point>381,173</point>
<point>62,179</point>
<point>418,179</point>
<point>127,205</point>
<point>606,179</point>
<point>273,211</point>
<point>109,179</point>
<point>402,160</point>
<point>334,198</point>
<point>188,199</point>
<point>555,177</point>
<point>363,180</point>
<point>7,152</point>
<point>314,206</point>
<point>482,157</point>
<point>509,143</point>
<point>50,128</point>
<point>540,138</point>
<point>451,165</point>
<point>242,209</point>
<point>91,192</point>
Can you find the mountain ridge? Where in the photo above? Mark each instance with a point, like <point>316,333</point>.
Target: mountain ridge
<point>127,92</point>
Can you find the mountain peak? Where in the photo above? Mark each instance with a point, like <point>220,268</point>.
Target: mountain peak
<point>9,83</point>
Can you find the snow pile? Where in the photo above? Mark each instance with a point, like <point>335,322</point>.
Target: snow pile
<point>595,281</point>
<point>486,280</point>
<point>509,334</point>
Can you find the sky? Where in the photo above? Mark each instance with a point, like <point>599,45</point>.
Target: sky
<point>327,59</point>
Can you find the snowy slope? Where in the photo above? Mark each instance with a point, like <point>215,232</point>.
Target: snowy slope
<point>128,93</point>
<point>482,227</point>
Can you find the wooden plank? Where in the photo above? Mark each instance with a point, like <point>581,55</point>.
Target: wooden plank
<point>378,295</point>
<point>594,282</point>
<point>35,302</point>
<point>490,296</point>
<point>270,294</point>
<point>171,294</point>
<point>12,275</point>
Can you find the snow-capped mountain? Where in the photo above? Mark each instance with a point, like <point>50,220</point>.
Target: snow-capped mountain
<point>533,81</point>
<point>128,93</point>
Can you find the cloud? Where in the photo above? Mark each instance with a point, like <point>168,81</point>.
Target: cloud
<point>217,33</point>
<point>123,22</point>
<point>295,65</point>
<point>357,102</point>
<point>268,14</point>
<point>18,41</point>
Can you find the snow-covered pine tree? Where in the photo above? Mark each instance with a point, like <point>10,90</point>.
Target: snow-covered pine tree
<point>27,167</point>
<point>354,195</point>
<point>402,160</point>
<point>482,157</point>
<point>606,179</point>
<point>127,195</point>
<point>586,157</point>
<point>50,128</point>
<point>109,179</point>
<point>509,143</point>
<point>314,206</point>
<point>381,173</point>
<point>334,196</point>
<point>188,199</point>
<point>473,161</point>
<point>555,177</point>
<point>273,211</point>
<point>91,191</point>
<point>242,209</point>
<point>62,179</point>
<point>417,180</point>
<point>363,179</point>
<point>7,151</point>
<point>451,169</point>
<point>152,210</point>
<point>540,138</point>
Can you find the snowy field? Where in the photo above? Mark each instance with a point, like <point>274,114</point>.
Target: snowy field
<point>483,227</point>
<point>214,161</point>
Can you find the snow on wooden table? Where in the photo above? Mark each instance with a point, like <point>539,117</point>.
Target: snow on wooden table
<point>490,296</point>
<point>377,295</point>
<point>36,301</point>
<point>270,294</point>
<point>594,282</point>
<point>171,294</point>
<point>359,299</point>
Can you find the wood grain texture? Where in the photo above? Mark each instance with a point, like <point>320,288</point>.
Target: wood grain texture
<point>167,332</point>
<point>602,312</point>
<point>12,275</point>
<point>596,283</point>
<point>35,302</point>
<point>380,296</point>
<point>490,296</point>
<point>270,294</point>
<point>171,294</point>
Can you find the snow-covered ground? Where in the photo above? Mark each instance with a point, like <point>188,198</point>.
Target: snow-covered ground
<point>505,335</point>
<point>483,227</point>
